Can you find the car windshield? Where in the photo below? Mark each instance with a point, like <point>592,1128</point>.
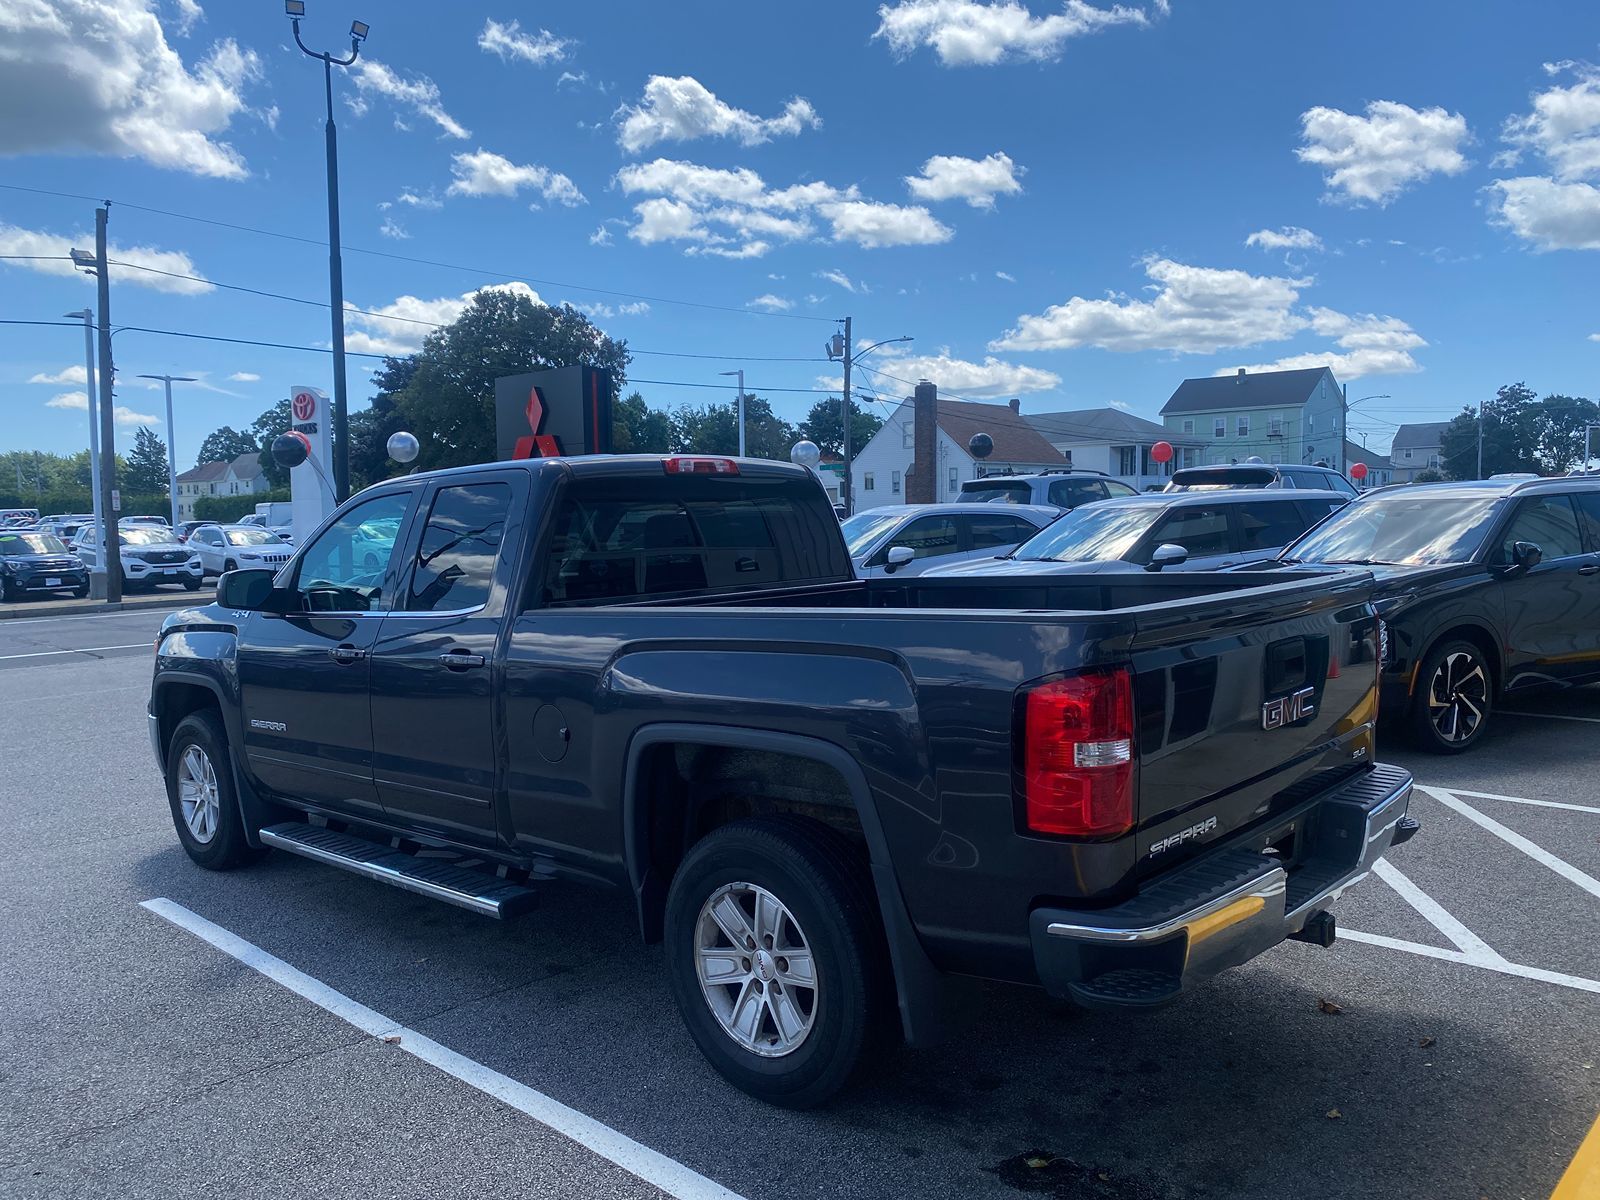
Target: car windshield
<point>861,530</point>
<point>251,537</point>
<point>1096,533</point>
<point>144,535</point>
<point>17,544</point>
<point>1403,527</point>
<point>997,492</point>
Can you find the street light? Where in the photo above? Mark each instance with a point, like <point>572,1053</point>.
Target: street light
<point>172,447</point>
<point>97,572</point>
<point>740,405</point>
<point>341,410</point>
<point>838,347</point>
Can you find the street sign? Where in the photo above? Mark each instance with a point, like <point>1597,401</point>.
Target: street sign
<point>116,500</point>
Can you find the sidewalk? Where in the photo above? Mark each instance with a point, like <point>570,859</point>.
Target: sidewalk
<point>83,608</point>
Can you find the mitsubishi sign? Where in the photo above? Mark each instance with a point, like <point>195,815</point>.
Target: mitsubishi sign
<point>561,411</point>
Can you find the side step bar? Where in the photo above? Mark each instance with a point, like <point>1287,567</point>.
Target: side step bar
<point>476,891</point>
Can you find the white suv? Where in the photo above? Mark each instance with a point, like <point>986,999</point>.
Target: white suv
<point>150,555</point>
<point>230,547</point>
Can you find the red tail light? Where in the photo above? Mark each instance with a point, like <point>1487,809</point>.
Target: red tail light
<point>1078,754</point>
<point>684,464</point>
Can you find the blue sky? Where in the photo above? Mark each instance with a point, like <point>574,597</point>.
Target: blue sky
<point>1080,204</point>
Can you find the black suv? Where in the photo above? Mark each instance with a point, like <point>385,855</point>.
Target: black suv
<point>39,562</point>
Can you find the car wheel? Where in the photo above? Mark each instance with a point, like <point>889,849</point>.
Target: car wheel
<point>8,590</point>
<point>205,809</point>
<point>79,593</point>
<point>776,957</point>
<point>191,585</point>
<point>1453,698</point>
<point>230,565</point>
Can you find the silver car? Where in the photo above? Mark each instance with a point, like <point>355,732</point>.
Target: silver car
<point>907,539</point>
<point>151,554</point>
<point>234,547</point>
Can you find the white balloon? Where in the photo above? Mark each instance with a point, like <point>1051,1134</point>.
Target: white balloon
<point>805,454</point>
<point>404,447</point>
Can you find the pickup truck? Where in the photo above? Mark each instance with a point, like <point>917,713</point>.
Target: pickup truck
<point>825,795</point>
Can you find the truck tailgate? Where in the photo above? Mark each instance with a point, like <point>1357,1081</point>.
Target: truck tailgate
<point>1237,703</point>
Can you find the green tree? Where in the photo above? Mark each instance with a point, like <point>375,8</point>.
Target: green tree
<point>714,429</point>
<point>267,426</point>
<point>147,465</point>
<point>225,445</point>
<point>1428,475</point>
<point>449,400</point>
<point>1558,431</point>
<point>638,428</point>
<point>371,427</point>
<point>1510,436</point>
<point>824,425</point>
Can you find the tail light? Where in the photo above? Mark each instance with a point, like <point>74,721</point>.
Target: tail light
<point>1077,756</point>
<point>683,464</point>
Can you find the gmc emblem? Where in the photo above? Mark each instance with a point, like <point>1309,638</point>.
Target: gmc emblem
<point>1286,710</point>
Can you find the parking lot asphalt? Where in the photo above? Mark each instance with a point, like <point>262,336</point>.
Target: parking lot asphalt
<point>1447,1046</point>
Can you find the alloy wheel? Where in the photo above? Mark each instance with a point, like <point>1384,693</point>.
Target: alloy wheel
<point>198,797</point>
<point>756,969</point>
<point>1458,696</point>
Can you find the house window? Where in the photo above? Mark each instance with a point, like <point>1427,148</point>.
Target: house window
<point>908,435</point>
<point>1127,460</point>
<point>1219,427</point>
<point>1408,453</point>
<point>1433,461</point>
<point>1275,426</point>
<point>866,482</point>
<point>894,483</point>
<point>1276,457</point>
<point>1244,426</point>
<point>1188,425</point>
<point>955,480</point>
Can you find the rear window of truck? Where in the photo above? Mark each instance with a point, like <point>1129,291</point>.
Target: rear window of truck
<point>616,540</point>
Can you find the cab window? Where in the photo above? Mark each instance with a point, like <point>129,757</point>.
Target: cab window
<point>1200,531</point>
<point>1550,522</point>
<point>1268,526</point>
<point>998,530</point>
<point>343,567</point>
<point>928,537</point>
<point>460,545</point>
<point>1069,493</point>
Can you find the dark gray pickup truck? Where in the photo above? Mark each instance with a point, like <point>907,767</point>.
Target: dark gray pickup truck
<point>825,794</point>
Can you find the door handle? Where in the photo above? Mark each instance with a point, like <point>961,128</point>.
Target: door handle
<point>347,654</point>
<point>460,660</point>
<point>1590,569</point>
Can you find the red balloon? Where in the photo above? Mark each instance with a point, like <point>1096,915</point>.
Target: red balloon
<point>1161,452</point>
<point>1358,471</point>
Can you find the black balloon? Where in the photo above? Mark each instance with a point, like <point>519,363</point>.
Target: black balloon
<point>981,445</point>
<point>289,449</point>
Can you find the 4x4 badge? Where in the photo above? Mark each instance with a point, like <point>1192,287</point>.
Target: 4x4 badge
<point>1286,710</point>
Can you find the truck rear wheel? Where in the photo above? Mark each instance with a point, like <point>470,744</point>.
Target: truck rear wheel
<point>776,957</point>
<point>205,810</point>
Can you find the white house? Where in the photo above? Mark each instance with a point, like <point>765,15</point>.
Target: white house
<point>241,477</point>
<point>879,471</point>
<point>1116,443</point>
<point>1417,447</point>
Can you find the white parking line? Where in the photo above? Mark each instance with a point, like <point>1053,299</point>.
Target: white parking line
<point>1538,853</point>
<point>1550,716</point>
<point>1455,791</point>
<point>637,1159</point>
<point>83,650</point>
<point>1475,949</point>
<point>1499,965</point>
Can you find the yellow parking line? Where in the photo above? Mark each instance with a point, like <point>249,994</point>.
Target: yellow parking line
<point>1582,1180</point>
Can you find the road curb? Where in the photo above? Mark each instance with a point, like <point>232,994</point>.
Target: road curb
<point>89,608</point>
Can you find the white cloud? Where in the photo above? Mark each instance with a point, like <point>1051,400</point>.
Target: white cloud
<point>1368,345</point>
<point>415,200</point>
<point>976,180</point>
<point>1005,275</point>
<point>734,214</point>
<point>75,374</point>
<point>966,33</point>
<point>53,250</point>
<point>100,78</point>
<point>1290,237</point>
<point>636,308</point>
<point>1196,310</point>
<point>600,237</point>
<point>990,378</point>
<point>244,377</point>
<point>509,42</point>
<point>189,15</point>
<point>121,414</point>
<point>682,109</point>
<point>1564,126</point>
<point>399,327</point>
<point>1551,215</point>
<point>771,303</point>
<point>420,94</point>
<point>488,174</point>
<point>393,229</point>
<point>838,277</point>
<point>1372,159</point>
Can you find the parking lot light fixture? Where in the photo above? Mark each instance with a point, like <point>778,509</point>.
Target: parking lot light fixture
<point>172,450</point>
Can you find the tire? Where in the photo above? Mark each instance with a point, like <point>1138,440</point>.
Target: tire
<point>191,585</point>
<point>215,841</point>
<point>230,565</point>
<point>820,882</point>
<point>1454,698</point>
<point>8,591</point>
<point>79,593</point>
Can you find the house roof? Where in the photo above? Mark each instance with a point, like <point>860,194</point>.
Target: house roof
<point>1015,440</point>
<point>1425,435</point>
<point>1354,454</point>
<point>1263,389</point>
<point>1094,425</point>
<point>247,466</point>
<point>207,472</point>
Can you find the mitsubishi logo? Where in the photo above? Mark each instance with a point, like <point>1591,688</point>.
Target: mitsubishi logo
<point>1286,710</point>
<point>534,444</point>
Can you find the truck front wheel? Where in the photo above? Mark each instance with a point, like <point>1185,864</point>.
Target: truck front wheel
<point>776,957</point>
<point>200,790</point>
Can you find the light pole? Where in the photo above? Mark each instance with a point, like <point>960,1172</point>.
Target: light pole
<point>97,573</point>
<point>739,411</point>
<point>1344,431</point>
<point>341,411</point>
<point>172,442</point>
<point>839,347</point>
<point>110,551</point>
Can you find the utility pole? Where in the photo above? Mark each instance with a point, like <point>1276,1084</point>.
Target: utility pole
<point>110,539</point>
<point>1481,405</point>
<point>739,406</point>
<point>172,446</point>
<point>847,490</point>
<point>97,573</point>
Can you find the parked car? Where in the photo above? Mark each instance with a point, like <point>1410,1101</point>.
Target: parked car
<point>821,793</point>
<point>38,562</point>
<point>232,547</point>
<point>1260,475</point>
<point>259,521</point>
<point>908,539</point>
<point>1486,589</point>
<point>1062,490</point>
<point>149,556</point>
<point>1157,531</point>
<point>184,528</point>
<point>146,520</point>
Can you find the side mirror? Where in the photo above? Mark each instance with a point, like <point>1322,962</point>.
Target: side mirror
<point>898,557</point>
<point>1526,555</point>
<point>246,590</point>
<point>1166,555</point>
